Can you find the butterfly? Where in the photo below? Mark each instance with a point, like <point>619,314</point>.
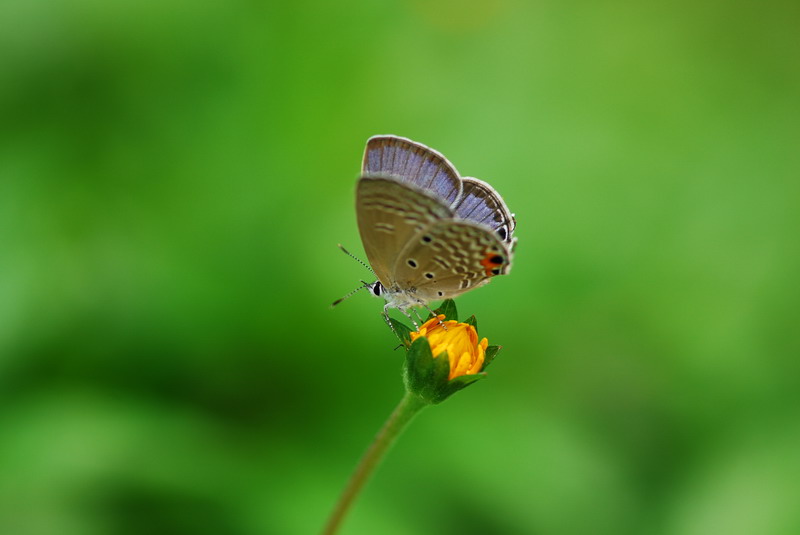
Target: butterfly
<point>429,234</point>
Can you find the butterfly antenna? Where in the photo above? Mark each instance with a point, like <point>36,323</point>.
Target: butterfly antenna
<point>348,253</point>
<point>350,294</point>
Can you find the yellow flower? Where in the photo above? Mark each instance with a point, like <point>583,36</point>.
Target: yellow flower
<point>460,340</point>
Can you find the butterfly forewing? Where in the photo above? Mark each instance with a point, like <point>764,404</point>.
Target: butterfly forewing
<point>415,164</point>
<point>449,258</point>
<point>390,216</point>
<point>482,204</point>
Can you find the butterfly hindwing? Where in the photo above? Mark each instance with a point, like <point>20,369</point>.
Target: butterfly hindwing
<point>450,257</point>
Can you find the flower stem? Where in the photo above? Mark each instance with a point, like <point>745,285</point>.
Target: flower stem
<point>405,411</point>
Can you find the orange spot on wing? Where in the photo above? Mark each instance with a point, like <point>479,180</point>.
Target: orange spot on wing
<point>489,262</point>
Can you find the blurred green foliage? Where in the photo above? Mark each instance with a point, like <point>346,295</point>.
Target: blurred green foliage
<point>174,178</point>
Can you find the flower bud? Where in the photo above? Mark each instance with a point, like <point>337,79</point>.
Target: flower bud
<point>459,340</point>
<point>444,356</point>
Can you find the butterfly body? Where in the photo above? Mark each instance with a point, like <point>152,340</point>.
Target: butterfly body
<point>429,234</point>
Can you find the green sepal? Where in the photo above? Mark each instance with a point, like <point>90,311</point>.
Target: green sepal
<point>402,331</point>
<point>472,320</point>
<point>424,375</point>
<point>448,308</point>
<point>457,383</point>
<point>427,377</point>
<point>488,357</point>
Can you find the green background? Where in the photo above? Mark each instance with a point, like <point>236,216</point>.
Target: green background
<point>174,179</point>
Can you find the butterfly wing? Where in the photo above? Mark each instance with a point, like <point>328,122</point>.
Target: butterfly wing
<point>390,215</point>
<point>450,257</point>
<point>482,204</point>
<point>415,164</point>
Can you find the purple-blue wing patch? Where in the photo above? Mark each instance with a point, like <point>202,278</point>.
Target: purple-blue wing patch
<point>414,163</point>
<point>482,204</point>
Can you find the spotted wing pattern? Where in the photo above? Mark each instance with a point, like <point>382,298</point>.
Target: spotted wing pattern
<point>390,215</point>
<point>482,204</point>
<point>413,163</point>
<point>448,258</point>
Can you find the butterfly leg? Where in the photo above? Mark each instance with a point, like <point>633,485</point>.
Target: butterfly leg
<point>406,314</point>
<point>388,320</point>
<point>433,313</point>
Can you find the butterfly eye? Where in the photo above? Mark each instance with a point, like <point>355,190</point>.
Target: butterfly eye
<point>377,289</point>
